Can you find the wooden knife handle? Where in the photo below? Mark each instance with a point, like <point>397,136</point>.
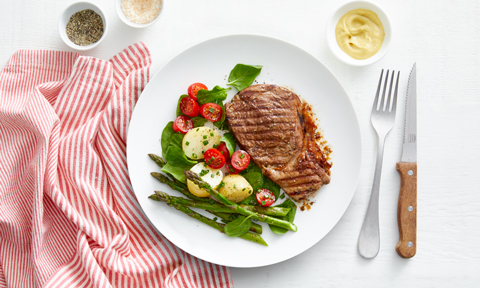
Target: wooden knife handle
<point>407,210</point>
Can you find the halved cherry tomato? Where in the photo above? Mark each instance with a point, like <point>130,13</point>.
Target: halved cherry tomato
<point>211,111</point>
<point>265,197</point>
<point>214,158</point>
<point>240,159</point>
<point>224,150</point>
<point>230,169</point>
<point>189,107</point>
<point>182,124</point>
<point>193,89</point>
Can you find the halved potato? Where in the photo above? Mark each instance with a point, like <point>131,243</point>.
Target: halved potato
<point>236,188</point>
<point>209,175</point>
<point>198,140</point>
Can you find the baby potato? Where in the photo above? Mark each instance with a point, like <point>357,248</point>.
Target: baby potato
<point>211,176</point>
<point>198,140</point>
<point>236,188</point>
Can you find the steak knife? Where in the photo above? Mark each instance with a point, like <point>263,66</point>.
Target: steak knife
<point>407,168</point>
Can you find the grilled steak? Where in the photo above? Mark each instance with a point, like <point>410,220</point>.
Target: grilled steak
<point>277,130</point>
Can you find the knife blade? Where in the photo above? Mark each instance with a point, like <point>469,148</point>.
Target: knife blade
<point>407,168</point>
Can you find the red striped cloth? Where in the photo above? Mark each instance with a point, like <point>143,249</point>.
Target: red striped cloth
<point>68,215</point>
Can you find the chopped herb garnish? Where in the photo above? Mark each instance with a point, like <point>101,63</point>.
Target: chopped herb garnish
<point>234,186</point>
<point>211,201</point>
<point>211,134</point>
<point>187,143</point>
<point>204,164</point>
<point>215,219</point>
<point>242,156</point>
<point>216,146</point>
<point>211,110</point>
<point>194,155</point>
<point>263,203</point>
<point>205,142</point>
<point>203,152</point>
<point>222,184</point>
<point>203,173</point>
<point>243,189</point>
<point>282,196</point>
<point>212,176</point>
<point>218,173</point>
<point>198,129</point>
<point>204,136</point>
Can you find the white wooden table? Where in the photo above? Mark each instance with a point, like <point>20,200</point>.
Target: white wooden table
<point>441,36</point>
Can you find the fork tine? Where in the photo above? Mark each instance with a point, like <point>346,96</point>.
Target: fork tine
<point>387,108</point>
<point>375,102</point>
<point>394,105</point>
<point>382,104</point>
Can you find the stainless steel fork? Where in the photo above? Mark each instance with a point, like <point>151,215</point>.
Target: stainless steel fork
<point>383,119</point>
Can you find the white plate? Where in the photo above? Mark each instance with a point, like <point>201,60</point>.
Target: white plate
<point>210,62</point>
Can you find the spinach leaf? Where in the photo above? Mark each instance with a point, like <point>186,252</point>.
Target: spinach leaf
<point>250,200</point>
<point>176,157</point>
<point>251,168</point>
<point>179,112</point>
<point>272,186</point>
<point>198,121</point>
<point>166,135</point>
<point>289,217</point>
<point>176,139</point>
<point>255,179</point>
<point>243,75</point>
<point>220,122</point>
<point>216,95</point>
<point>230,142</point>
<point>238,227</point>
<point>176,172</point>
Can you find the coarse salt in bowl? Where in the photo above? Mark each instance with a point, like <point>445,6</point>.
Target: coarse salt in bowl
<point>139,13</point>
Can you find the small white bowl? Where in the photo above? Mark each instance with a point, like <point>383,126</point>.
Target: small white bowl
<point>118,7</point>
<point>332,41</point>
<point>72,9</point>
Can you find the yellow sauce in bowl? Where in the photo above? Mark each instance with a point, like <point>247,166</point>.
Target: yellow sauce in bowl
<point>360,33</point>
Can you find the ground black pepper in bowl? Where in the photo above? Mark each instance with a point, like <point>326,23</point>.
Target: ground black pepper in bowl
<point>85,27</point>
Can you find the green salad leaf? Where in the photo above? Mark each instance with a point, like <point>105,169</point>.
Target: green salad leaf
<point>238,227</point>
<point>289,217</point>
<point>176,157</point>
<point>176,139</point>
<point>176,172</point>
<point>220,122</point>
<point>198,121</point>
<point>255,179</point>
<point>216,95</point>
<point>243,75</point>
<point>179,111</point>
<point>166,135</point>
<point>230,142</point>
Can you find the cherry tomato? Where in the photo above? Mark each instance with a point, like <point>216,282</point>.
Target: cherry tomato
<point>265,197</point>
<point>182,124</point>
<point>211,111</point>
<point>230,169</point>
<point>240,159</point>
<point>189,107</point>
<point>214,158</point>
<point>193,89</point>
<point>224,150</point>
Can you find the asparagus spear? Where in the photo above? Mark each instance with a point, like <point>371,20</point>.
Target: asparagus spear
<point>219,226</point>
<point>180,187</point>
<point>231,216</point>
<point>217,207</point>
<point>157,159</point>
<point>260,217</point>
